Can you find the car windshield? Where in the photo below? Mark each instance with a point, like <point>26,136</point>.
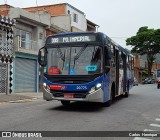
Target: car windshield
<point>78,60</point>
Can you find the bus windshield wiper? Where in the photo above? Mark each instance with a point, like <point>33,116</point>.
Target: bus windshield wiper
<point>80,52</point>
<point>61,54</point>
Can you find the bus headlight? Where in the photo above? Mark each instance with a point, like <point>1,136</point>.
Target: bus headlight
<point>45,86</point>
<point>96,87</point>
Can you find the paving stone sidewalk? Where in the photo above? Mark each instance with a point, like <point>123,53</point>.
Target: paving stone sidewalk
<point>19,97</point>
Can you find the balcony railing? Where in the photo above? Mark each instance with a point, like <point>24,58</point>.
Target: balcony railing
<point>28,46</point>
<point>6,48</point>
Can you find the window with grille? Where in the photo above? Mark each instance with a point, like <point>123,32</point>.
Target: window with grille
<point>75,18</point>
<point>3,36</point>
<point>25,38</point>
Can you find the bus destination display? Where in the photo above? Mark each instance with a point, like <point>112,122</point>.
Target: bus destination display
<point>71,39</point>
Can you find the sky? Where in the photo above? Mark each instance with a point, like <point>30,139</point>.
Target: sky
<point>118,19</point>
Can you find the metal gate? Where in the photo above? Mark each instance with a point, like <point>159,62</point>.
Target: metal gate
<point>25,75</point>
<point>3,78</point>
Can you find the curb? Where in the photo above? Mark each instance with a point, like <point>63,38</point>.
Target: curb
<point>19,101</point>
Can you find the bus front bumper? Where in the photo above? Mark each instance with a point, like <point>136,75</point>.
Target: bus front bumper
<point>96,96</point>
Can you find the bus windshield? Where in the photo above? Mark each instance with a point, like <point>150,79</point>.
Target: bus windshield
<point>78,60</point>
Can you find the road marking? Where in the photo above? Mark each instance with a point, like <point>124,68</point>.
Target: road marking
<point>149,130</point>
<point>156,125</point>
<point>139,138</point>
<point>157,119</point>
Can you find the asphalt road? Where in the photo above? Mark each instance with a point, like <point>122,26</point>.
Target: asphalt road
<point>139,112</point>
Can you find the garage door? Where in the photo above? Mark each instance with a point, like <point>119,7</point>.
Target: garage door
<point>25,75</point>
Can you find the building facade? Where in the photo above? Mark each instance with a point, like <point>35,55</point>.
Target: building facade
<point>66,16</point>
<point>29,36</point>
<point>32,26</point>
<point>141,67</point>
<point>6,54</point>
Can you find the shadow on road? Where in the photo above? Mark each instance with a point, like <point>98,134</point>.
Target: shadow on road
<point>85,106</point>
<point>79,107</point>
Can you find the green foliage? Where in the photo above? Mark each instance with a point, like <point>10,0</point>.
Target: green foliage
<point>146,41</point>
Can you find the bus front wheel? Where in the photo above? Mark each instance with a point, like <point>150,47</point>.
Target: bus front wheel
<point>65,103</point>
<point>112,97</point>
<point>107,104</point>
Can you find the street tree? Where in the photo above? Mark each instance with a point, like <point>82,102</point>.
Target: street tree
<point>146,42</point>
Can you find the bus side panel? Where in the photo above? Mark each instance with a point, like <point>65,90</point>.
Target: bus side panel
<point>130,78</point>
<point>106,87</point>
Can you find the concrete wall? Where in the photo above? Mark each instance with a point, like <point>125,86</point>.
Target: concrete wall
<point>82,22</point>
<point>63,21</point>
<point>15,13</point>
<point>33,23</point>
<point>54,10</point>
<point>61,10</point>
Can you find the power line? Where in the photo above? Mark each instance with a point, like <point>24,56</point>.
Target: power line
<point>119,37</point>
<point>5,1</point>
<point>38,10</point>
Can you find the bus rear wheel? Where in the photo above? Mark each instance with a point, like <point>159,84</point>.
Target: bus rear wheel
<point>65,103</point>
<point>127,92</point>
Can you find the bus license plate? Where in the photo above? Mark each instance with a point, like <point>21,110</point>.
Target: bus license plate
<point>68,96</point>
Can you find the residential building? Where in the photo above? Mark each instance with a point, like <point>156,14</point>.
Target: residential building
<point>66,16</point>
<point>6,54</point>
<point>140,66</point>
<point>29,35</point>
<point>32,26</point>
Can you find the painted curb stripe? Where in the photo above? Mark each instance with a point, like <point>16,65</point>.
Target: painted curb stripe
<point>139,138</point>
<point>157,119</point>
<point>155,125</point>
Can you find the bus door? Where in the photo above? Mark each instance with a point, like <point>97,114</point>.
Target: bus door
<point>124,57</point>
<point>117,71</point>
<point>121,72</point>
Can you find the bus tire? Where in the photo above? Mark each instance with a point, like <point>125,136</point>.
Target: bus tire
<point>65,103</point>
<point>108,103</point>
<point>127,92</point>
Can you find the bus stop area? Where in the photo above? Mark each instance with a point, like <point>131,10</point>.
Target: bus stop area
<point>19,97</point>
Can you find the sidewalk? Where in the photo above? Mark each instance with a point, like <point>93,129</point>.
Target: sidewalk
<point>20,97</point>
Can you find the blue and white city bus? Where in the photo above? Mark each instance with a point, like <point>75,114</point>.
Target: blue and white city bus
<point>85,66</point>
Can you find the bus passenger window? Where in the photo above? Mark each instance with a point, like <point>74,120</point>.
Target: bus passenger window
<point>113,50</point>
<point>132,63</point>
<point>96,60</point>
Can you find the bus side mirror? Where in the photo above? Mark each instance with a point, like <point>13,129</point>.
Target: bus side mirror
<point>42,57</point>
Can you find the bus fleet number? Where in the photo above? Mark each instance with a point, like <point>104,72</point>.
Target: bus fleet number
<point>81,87</point>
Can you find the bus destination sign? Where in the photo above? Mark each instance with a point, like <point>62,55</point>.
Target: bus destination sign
<point>71,39</point>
